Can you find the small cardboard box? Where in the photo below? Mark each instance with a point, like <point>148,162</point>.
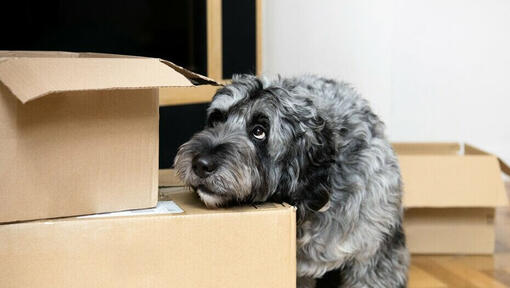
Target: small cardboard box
<point>79,131</point>
<point>450,197</point>
<point>199,247</point>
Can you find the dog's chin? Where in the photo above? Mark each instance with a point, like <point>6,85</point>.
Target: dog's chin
<point>210,198</point>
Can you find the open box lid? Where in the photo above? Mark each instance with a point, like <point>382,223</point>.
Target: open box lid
<point>436,175</point>
<point>33,74</point>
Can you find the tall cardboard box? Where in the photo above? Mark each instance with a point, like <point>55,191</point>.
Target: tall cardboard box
<point>450,195</point>
<point>247,247</point>
<point>79,132</point>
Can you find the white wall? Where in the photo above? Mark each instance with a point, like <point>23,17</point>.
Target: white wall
<point>434,70</point>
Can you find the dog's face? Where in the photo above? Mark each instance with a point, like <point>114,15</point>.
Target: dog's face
<point>252,147</point>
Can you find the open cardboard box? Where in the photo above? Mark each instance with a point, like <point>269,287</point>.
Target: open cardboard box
<point>179,245</point>
<point>79,131</point>
<point>450,197</point>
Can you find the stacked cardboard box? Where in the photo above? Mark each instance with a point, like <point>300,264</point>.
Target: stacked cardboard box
<point>79,135</point>
<point>79,132</point>
<point>179,245</point>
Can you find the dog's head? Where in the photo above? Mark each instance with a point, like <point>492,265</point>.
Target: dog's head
<point>263,139</point>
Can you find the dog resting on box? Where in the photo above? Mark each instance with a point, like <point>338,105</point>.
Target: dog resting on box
<point>316,144</point>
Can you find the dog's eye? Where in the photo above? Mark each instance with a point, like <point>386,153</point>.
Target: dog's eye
<point>259,133</point>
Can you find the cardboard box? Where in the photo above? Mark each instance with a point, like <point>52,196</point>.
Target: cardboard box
<point>450,197</point>
<point>78,132</point>
<point>238,247</point>
<point>169,178</point>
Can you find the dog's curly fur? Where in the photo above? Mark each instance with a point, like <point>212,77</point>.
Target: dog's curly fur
<point>316,144</point>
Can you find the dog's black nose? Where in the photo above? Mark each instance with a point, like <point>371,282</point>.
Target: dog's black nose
<point>203,165</point>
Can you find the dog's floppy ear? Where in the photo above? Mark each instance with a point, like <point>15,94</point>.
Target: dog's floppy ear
<point>321,150</point>
<point>305,180</point>
<point>313,193</point>
<point>320,155</point>
<point>308,161</point>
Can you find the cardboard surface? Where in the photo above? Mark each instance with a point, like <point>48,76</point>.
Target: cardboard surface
<point>450,231</point>
<point>79,132</point>
<point>78,154</point>
<point>242,247</point>
<point>169,178</point>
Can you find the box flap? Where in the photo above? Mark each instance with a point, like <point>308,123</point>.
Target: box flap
<point>33,74</point>
<point>441,180</point>
<point>471,150</point>
<point>196,78</point>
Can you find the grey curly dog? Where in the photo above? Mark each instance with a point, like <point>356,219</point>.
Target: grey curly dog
<point>316,144</point>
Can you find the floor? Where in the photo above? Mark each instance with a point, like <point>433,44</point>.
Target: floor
<point>468,271</point>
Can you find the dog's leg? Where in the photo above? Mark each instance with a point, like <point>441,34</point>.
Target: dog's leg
<point>384,273</point>
<point>386,269</point>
